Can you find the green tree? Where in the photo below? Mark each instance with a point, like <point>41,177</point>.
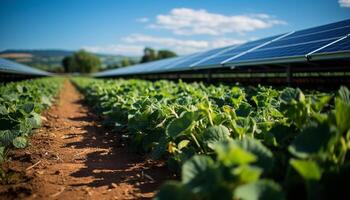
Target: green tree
<point>125,62</point>
<point>81,61</point>
<point>162,54</point>
<point>113,66</point>
<point>68,64</point>
<point>149,55</point>
<point>86,62</point>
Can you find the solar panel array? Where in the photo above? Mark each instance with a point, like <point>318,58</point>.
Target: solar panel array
<point>322,42</point>
<point>7,66</point>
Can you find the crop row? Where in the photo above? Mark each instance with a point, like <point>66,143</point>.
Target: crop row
<point>233,142</point>
<point>20,106</point>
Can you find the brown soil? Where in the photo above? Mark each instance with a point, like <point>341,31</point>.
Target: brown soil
<point>73,157</point>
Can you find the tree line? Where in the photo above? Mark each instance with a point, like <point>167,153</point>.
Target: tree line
<point>85,62</point>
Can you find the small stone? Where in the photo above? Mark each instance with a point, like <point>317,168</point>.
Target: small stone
<point>40,172</point>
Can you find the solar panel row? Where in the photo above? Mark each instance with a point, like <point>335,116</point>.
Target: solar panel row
<point>297,46</point>
<point>7,66</point>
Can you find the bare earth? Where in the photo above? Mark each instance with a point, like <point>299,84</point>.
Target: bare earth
<point>73,157</point>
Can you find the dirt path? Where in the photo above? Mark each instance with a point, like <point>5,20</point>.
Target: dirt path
<point>73,157</point>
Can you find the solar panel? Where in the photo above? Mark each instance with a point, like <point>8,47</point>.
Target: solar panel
<point>233,52</point>
<point>150,67</point>
<point>326,27</point>
<point>224,49</point>
<point>324,41</point>
<point>296,45</point>
<point>8,66</point>
<point>189,62</point>
<point>341,46</point>
<point>176,65</point>
<point>160,66</point>
<point>135,69</point>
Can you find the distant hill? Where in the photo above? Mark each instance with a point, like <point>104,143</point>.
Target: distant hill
<point>42,53</point>
<point>50,60</point>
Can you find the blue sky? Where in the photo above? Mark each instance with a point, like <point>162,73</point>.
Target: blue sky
<point>126,27</point>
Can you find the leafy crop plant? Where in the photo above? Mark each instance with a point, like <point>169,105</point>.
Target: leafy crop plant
<point>233,142</point>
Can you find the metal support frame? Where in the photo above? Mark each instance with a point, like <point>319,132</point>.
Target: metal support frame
<point>289,73</point>
<point>327,45</point>
<point>209,76</point>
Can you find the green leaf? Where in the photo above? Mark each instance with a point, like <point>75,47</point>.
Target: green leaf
<point>244,109</point>
<point>45,101</point>
<point>20,142</point>
<point>260,190</point>
<point>229,153</point>
<point>183,144</point>
<point>3,110</point>
<point>319,103</point>
<point>160,149</point>
<point>2,154</point>
<point>342,114</point>
<point>35,120</point>
<point>173,190</point>
<point>195,166</point>
<point>344,94</point>
<point>180,125</point>
<point>214,134</point>
<point>28,107</point>
<point>308,169</point>
<point>247,173</point>
<point>6,138</point>
<point>264,156</point>
<point>312,140</point>
<point>291,95</point>
<point>19,88</point>
<point>199,174</point>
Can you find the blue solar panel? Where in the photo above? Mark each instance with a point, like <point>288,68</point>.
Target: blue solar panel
<point>295,45</point>
<point>160,66</point>
<point>8,66</point>
<point>341,46</point>
<point>293,50</point>
<point>150,67</point>
<point>136,69</point>
<point>187,63</point>
<point>235,51</point>
<point>325,27</point>
<point>176,65</point>
<point>296,38</point>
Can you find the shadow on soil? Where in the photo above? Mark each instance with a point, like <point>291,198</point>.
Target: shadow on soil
<point>114,163</point>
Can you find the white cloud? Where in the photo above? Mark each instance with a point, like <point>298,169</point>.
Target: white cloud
<point>142,19</point>
<point>166,41</point>
<point>180,46</point>
<point>186,21</point>
<point>344,3</point>
<point>121,49</point>
<point>135,43</point>
<point>222,42</point>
